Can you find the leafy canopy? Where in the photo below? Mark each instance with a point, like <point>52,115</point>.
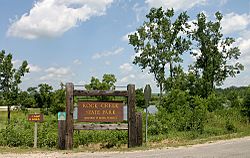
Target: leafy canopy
<point>214,63</point>
<point>158,43</point>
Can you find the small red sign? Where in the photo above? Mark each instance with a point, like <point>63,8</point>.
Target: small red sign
<point>35,117</point>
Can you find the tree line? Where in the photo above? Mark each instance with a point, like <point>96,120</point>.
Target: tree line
<point>161,42</point>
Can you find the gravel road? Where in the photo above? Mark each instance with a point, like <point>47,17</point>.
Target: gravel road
<point>235,148</point>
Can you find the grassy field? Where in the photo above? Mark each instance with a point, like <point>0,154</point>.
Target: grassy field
<point>15,115</point>
<point>21,129</point>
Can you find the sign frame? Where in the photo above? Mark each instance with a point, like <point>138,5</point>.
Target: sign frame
<point>134,119</point>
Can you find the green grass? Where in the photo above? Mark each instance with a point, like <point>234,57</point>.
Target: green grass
<point>219,127</point>
<point>15,114</point>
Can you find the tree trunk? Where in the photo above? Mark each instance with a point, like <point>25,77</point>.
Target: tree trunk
<point>171,74</point>
<point>171,69</point>
<point>160,94</point>
<point>8,114</point>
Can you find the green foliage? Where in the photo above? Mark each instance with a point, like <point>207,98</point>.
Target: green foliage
<point>139,95</point>
<point>59,101</point>
<point>10,78</point>
<point>216,54</point>
<point>108,82</point>
<point>44,98</point>
<point>25,100</point>
<point>20,132</point>
<point>107,139</point>
<point>246,104</point>
<point>215,102</point>
<point>181,112</point>
<point>158,43</point>
<point>17,133</point>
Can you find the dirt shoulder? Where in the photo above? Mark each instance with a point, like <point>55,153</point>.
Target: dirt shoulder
<point>233,147</point>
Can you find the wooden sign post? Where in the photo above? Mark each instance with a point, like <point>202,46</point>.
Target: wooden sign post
<point>61,130</point>
<point>35,118</point>
<point>147,98</point>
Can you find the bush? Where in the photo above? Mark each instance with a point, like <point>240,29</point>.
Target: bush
<point>107,139</point>
<point>20,132</point>
<point>215,102</point>
<point>182,112</point>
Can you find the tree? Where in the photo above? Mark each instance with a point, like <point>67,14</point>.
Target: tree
<point>216,54</point>
<point>159,44</point>
<point>44,97</point>
<point>107,83</point>
<point>59,100</point>
<point>10,78</point>
<point>25,100</point>
<point>246,104</point>
<point>139,95</point>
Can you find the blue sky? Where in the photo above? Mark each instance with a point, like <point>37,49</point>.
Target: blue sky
<point>72,40</point>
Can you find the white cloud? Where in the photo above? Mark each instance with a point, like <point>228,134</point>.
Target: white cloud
<point>176,4</point>
<point>51,18</point>
<point>77,62</point>
<point>197,52</point>
<point>56,73</point>
<point>34,68</point>
<point>234,22</point>
<point>139,78</point>
<point>127,79</point>
<point>107,63</point>
<point>125,37</point>
<point>244,46</point>
<point>139,11</point>
<point>109,53</point>
<point>223,2</point>
<point>126,68</point>
<point>16,62</point>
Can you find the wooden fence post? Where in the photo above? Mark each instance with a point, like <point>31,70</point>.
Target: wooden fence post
<point>131,116</point>
<point>61,134</point>
<point>139,129</point>
<point>69,116</point>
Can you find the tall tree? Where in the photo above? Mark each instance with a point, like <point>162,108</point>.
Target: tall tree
<point>216,53</point>
<point>159,43</point>
<point>59,100</point>
<point>139,95</point>
<point>107,83</point>
<point>10,78</point>
<point>44,97</point>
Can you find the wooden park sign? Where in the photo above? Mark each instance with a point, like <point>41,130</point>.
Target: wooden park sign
<point>35,117</point>
<point>100,111</point>
<point>92,111</point>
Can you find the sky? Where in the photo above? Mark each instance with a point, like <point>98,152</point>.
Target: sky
<point>73,40</point>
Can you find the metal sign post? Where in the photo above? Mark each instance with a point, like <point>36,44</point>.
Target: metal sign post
<point>147,97</point>
<point>35,118</point>
<point>35,136</point>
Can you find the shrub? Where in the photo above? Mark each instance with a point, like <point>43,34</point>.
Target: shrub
<point>215,102</point>
<point>107,139</point>
<point>182,112</point>
<point>20,132</point>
